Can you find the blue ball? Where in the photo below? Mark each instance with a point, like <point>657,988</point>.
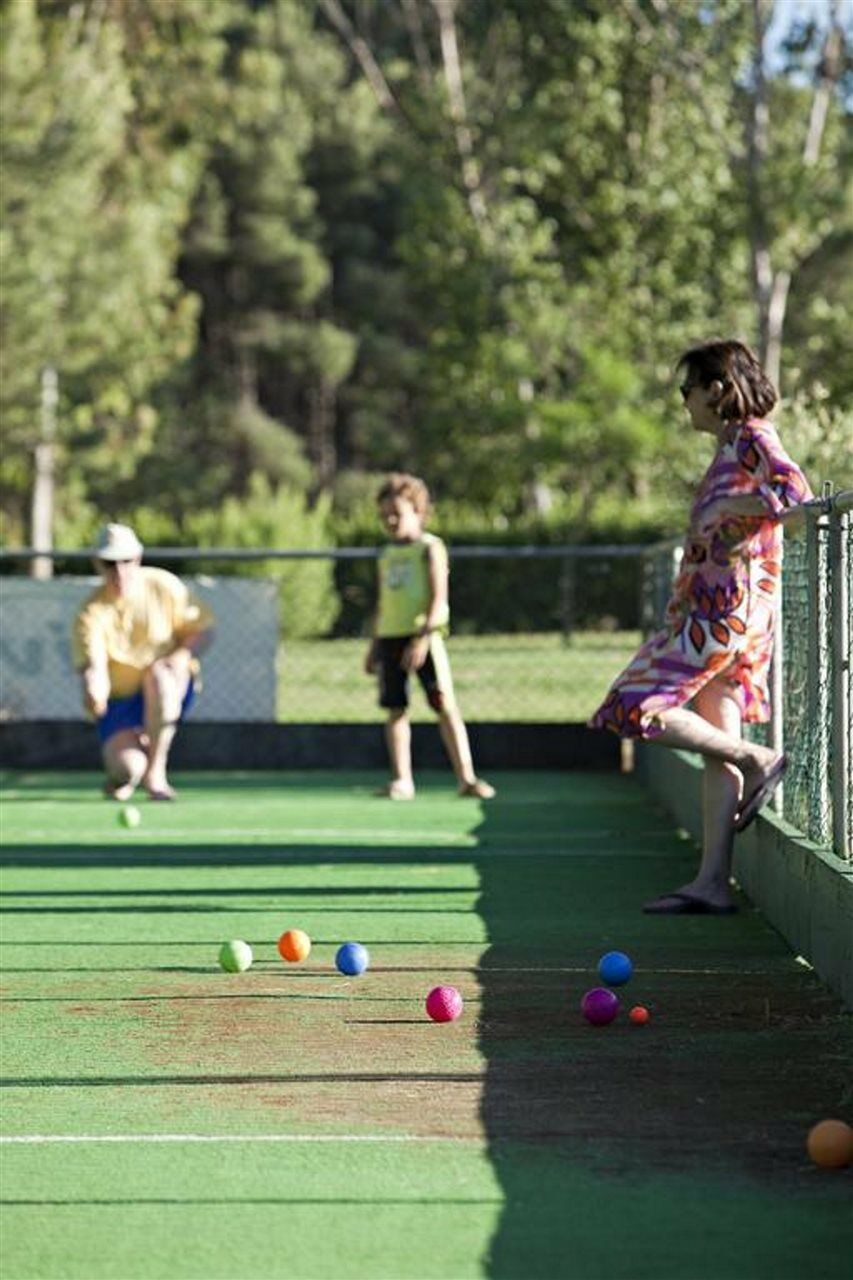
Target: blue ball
<point>615,968</point>
<point>352,958</point>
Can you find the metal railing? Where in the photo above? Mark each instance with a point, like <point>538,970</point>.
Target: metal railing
<point>539,633</point>
<point>812,717</point>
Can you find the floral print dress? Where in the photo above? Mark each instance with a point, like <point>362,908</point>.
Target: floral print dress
<point>721,616</point>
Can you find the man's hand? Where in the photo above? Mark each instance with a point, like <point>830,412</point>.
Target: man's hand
<point>415,653</point>
<point>96,691</point>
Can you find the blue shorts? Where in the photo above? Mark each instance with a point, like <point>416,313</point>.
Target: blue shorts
<point>129,713</point>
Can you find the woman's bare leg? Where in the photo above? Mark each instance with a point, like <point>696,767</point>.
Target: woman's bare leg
<point>731,767</point>
<point>691,731</point>
<point>721,795</point>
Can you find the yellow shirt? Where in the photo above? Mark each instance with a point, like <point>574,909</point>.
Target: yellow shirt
<point>404,587</point>
<point>132,632</point>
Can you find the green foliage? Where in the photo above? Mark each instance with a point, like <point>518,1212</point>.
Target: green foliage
<point>97,178</point>
<point>278,518</point>
<point>820,436</point>
<point>243,264</point>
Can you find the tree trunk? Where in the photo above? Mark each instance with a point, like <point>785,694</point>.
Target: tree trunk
<point>321,431</point>
<point>445,9</point>
<point>771,287</point>
<point>41,511</point>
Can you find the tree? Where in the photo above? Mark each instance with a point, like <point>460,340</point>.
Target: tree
<point>90,234</point>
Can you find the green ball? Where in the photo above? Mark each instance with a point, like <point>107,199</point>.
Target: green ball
<point>235,956</point>
<point>130,816</point>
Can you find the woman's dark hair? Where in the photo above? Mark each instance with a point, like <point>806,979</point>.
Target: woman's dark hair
<point>747,390</point>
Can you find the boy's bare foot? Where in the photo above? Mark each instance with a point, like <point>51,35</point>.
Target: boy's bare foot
<point>477,789</point>
<point>397,790</point>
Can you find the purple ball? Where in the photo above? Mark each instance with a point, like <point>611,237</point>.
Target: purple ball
<point>599,1006</point>
<point>444,1004</point>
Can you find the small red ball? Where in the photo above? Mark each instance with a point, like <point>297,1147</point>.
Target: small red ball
<point>639,1015</point>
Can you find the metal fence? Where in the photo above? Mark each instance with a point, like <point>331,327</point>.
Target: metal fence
<point>813,676</point>
<point>538,634</point>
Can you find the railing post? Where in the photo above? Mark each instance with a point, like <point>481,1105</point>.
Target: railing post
<point>817,699</point>
<point>776,733</point>
<point>839,566</point>
<point>568,598</point>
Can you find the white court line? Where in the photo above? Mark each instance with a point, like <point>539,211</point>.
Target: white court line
<point>48,1139</point>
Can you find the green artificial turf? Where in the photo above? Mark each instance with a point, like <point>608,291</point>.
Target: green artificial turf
<point>290,1121</point>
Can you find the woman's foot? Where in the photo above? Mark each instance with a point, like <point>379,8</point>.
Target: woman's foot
<point>679,903</point>
<point>759,785</point>
<point>477,789</point>
<point>397,789</point>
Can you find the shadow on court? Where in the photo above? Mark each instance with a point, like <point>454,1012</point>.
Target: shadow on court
<point>671,1149</point>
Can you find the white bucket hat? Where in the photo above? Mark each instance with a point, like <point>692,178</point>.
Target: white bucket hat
<point>117,542</point>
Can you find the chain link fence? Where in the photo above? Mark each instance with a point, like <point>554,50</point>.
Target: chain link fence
<point>814,677</point>
<point>537,636</point>
<point>537,633</point>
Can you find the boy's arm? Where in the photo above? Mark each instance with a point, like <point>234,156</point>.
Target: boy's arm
<point>370,656</point>
<point>438,579</point>
<point>418,648</point>
<point>372,648</point>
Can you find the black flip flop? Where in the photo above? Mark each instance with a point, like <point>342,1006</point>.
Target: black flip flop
<point>761,795</point>
<point>684,904</point>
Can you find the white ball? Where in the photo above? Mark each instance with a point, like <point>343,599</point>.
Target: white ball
<point>235,956</point>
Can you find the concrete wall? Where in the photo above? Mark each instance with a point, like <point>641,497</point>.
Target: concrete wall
<point>58,744</point>
<point>802,889</point>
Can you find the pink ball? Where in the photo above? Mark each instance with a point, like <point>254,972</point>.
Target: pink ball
<point>599,1006</point>
<point>444,1004</point>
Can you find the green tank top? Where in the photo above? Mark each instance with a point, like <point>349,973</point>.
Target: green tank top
<point>404,589</point>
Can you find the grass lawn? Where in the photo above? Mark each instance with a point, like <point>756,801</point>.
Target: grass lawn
<point>532,677</point>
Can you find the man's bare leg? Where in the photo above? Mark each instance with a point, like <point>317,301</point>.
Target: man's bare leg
<point>164,688</point>
<point>125,763</point>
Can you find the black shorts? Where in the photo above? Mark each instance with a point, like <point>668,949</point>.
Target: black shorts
<point>434,675</point>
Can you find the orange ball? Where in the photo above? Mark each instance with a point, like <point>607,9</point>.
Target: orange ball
<point>294,945</point>
<point>830,1144</point>
<point>639,1015</point>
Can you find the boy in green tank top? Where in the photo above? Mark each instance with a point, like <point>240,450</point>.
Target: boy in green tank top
<point>412,619</point>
